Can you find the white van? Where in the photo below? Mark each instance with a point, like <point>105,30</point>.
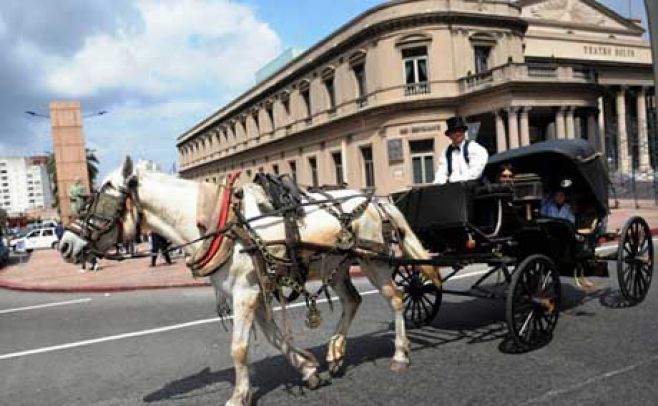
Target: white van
<point>39,238</point>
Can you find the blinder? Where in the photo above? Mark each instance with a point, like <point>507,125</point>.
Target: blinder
<point>101,218</point>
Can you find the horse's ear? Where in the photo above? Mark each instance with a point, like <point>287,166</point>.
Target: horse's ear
<point>127,167</point>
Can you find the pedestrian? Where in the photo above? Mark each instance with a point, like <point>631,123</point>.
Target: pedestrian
<point>93,262</point>
<point>158,244</point>
<point>59,230</point>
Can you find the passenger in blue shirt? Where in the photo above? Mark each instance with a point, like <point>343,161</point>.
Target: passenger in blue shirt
<point>557,207</point>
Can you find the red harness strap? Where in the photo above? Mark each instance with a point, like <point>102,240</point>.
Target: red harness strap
<point>217,241</point>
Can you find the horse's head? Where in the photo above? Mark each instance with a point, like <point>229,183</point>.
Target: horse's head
<point>111,216</point>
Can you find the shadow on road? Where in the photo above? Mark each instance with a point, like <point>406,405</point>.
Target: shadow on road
<point>473,321</point>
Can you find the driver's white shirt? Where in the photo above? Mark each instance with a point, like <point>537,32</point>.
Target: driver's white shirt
<point>462,171</point>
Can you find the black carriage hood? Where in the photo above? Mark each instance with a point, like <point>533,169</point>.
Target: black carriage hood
<point>556,160</point>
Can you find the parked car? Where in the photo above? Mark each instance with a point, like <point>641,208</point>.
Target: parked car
<point>41,238</point>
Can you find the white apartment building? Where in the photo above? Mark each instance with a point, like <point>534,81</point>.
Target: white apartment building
<point>24,185</point>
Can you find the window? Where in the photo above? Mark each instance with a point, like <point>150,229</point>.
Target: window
<point>254,115</point>
<point>293,170</point>
<point>338,166</point>
<point>360,76</point>
<point>47,232</point>
<point>275,169</point>
<point>331,93</point>
<point>481,54</point>
<point>416,75</point>
<point>270,114</point>
<point>368,166</point>
<point>313,163</point>
<point>422,161</point>
<point>306,95</point>
<point>285,101</point>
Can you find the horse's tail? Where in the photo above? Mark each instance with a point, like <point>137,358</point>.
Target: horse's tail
<point>410,244</point>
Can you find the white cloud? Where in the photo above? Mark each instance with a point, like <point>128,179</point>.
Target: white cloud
<point>181,47</point>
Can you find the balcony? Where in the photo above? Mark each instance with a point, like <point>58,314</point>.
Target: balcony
<point>362,102</point>
<point>418,88</point>
<point>526,72</point>
<point>331,113</point>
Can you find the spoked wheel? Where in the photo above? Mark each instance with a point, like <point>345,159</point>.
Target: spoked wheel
<point>533,302</point>
<point>422,298</point>
<point>635,260</point>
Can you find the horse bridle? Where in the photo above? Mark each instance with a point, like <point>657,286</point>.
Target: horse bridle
<point>103,213</point>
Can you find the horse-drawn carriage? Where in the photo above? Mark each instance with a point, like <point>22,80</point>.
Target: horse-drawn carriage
<point>498,224</point>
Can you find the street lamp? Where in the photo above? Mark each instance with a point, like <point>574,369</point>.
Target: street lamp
<point>35,114</point>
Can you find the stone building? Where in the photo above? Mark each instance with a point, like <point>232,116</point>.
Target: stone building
<point>368,104</point>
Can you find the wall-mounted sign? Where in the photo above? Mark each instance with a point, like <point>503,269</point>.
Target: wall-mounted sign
<point>394,147</point>
<point>420,129</point>
<point>609,51</point>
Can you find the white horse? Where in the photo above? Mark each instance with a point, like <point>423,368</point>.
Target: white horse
<point>170,205</point>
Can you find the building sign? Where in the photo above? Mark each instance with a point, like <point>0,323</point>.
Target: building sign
<point>420,129</point>
<point>603,50</point>
<point>394,148</point>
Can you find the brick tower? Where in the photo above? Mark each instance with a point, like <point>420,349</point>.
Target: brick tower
<point>70,154</point>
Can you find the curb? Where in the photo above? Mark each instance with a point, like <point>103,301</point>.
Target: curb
<point>95,289</point>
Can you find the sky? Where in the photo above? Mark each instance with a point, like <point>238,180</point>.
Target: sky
<point>156,67</point>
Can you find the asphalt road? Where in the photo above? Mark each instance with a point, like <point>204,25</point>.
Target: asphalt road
<point>133,348</point>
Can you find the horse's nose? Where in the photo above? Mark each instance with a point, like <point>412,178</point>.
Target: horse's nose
<point>64,248</point>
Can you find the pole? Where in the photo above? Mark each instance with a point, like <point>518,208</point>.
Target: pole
<point>652,20</point>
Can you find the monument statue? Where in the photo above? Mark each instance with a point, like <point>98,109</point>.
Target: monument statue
<point>77,195</point>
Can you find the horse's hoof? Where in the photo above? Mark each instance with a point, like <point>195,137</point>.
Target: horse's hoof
<point>244,400</point>
<point>313,382</point>
<point>336,367</point>
<point>399,366</point>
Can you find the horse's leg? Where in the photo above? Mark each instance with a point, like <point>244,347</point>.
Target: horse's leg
<point>379,274</point>
<point>301,360</point>
<point>245,302</point>
<point>350,300</point>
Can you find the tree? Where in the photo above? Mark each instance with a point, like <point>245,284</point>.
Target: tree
<point>92,172</point>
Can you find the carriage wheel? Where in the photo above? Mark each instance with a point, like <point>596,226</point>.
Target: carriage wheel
<point>635,260</point>
<point>422,298</point>
<point>533,302</point>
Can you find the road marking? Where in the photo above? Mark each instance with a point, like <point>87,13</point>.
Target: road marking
<point>173,327</point>
<point>557,392</point>
<point>42,306</point>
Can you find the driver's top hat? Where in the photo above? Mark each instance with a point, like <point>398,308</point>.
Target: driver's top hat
<point>456,123</point>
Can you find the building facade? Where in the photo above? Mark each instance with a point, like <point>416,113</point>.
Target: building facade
<point>25,187</point>
<point>368,105</point>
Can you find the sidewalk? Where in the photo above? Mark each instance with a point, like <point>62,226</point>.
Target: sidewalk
<point>45,271</point>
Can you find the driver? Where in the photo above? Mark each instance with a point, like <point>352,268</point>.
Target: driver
<point>463,159</point>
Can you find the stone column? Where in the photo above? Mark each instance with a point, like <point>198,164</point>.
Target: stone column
<point>513,127</point>
<point>559,124</point>
<point>501,136</point>
<point>344,159</point>
<point>643,131</point>
<point>622,135</point>
<point>569,123</point>
<point>601,127</point>
<point>524,126</point>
